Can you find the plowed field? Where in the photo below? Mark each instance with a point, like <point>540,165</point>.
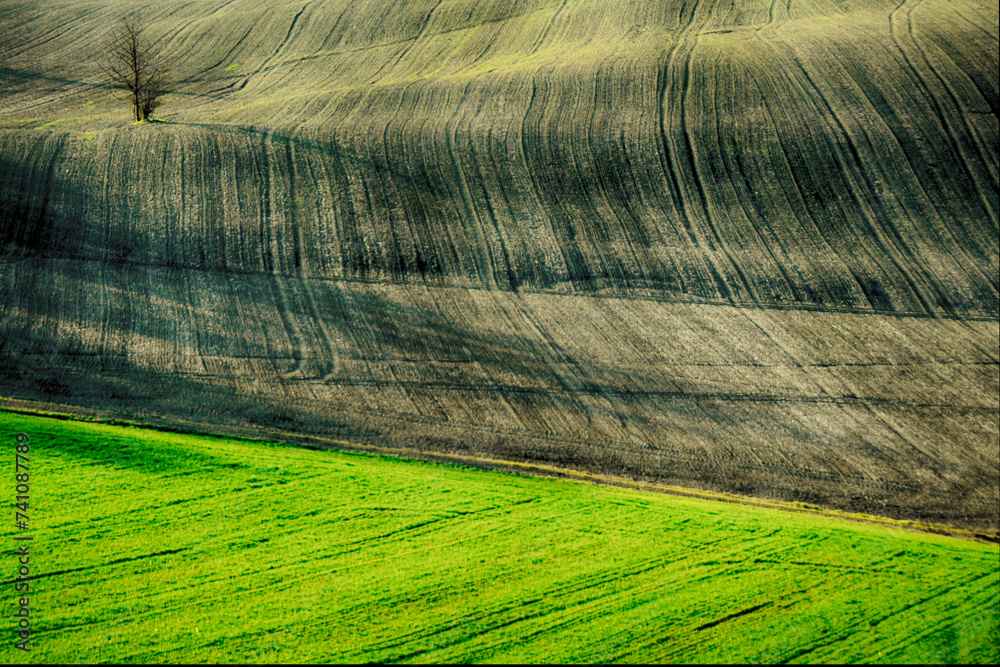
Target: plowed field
<point>738,246</point>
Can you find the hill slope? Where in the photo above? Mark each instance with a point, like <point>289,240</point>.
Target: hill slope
<point>830,154</point>
<point>403,220</point>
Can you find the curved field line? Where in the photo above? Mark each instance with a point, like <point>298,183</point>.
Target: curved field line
<point>548,28</point>
<point>533,177</point>
<point>683,42</point>
<point>896,129</point>
<point>945,118</point>
<point>850,167</point>
<point>931,280</point>
<point>266,65</point>
<point>410,43</point>
<point>751,217</point>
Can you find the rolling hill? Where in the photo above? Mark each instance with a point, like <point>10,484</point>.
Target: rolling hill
<point>737,246</point>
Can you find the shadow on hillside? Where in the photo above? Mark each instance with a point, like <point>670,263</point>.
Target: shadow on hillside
<point>312,206</point>
<point>45,215</point>
<point>410,367</point>
<point>9,74</point>
<point>26,75</point>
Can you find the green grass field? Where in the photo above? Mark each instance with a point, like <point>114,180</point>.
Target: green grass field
<point>153,546</point>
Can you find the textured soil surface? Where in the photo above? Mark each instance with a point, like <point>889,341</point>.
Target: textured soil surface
<point>735,246</point>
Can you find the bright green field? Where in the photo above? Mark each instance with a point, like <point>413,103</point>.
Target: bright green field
<point>152,546</point>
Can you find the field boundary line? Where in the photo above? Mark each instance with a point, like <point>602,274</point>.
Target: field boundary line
<point>173,425</point>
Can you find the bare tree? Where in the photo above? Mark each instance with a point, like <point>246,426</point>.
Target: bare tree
<point>133,61</point>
